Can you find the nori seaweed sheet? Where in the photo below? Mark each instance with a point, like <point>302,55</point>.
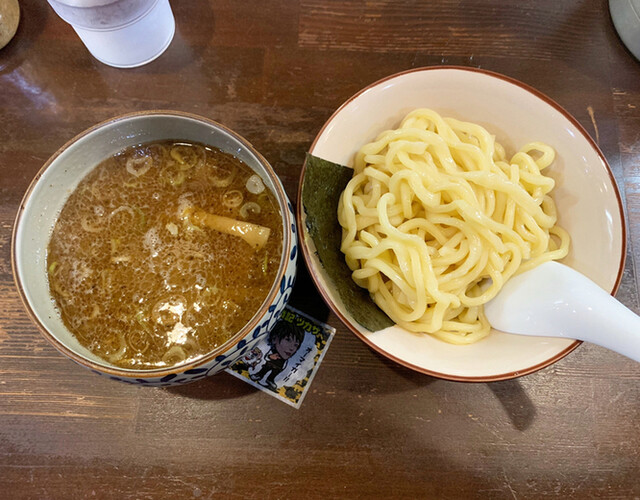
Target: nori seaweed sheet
<point>324,181</point>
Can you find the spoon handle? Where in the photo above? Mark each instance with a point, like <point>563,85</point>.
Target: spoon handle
<point>610,324</point>
<point>556,301</point>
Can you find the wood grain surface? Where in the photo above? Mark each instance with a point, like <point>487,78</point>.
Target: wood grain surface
<point>274,71</point>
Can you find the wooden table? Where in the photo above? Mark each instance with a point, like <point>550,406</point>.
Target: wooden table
<point>275,71</point>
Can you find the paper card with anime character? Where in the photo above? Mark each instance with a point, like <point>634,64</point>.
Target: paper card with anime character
<point>285,362</point>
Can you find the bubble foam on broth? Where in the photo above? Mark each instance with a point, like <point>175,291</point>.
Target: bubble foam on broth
<point>139,283</point>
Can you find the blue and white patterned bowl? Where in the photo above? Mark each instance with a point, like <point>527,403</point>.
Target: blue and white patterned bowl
<point>51,187</point>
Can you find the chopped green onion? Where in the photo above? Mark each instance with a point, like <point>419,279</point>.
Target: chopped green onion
<point>249,207</point>
<point>177,180</point>
<point>254,184</point>
<point>142,218</point>
<point>115,242</point>
<point>139,166</point>
<point>172,228</point>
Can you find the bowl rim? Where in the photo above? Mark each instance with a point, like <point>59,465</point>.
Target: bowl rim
<point>307,253</point>
<point>287,242</point>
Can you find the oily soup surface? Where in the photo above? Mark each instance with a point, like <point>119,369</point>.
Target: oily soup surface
<point>139,279</point>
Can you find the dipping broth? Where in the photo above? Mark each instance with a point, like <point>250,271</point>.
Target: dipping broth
<point>163,252</point>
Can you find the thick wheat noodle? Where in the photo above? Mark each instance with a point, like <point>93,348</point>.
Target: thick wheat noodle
<point>435,220</point>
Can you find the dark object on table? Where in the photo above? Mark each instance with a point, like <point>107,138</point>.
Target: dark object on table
<point>9,20</point>
<point>626,19</point>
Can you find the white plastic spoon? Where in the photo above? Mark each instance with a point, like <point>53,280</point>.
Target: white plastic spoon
<point>553,300</point>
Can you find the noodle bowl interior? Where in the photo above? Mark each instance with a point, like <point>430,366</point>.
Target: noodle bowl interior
<point>436,218</point>
<point>163,252</point>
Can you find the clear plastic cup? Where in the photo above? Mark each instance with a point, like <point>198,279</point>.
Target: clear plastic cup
<point>120,33</point>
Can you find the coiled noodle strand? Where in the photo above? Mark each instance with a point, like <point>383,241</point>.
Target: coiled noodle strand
<point>436,219</point>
